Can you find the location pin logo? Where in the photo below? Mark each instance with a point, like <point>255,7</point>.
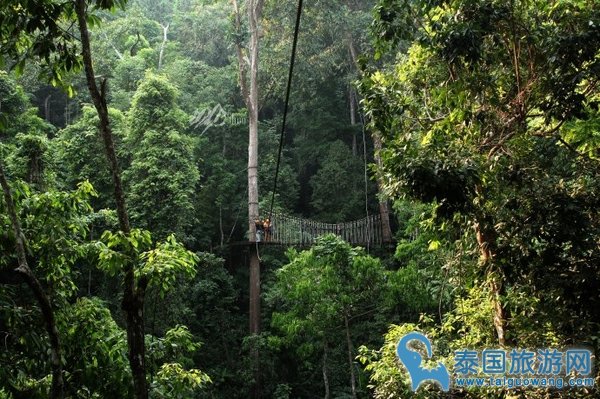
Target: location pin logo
<point>412,361</point>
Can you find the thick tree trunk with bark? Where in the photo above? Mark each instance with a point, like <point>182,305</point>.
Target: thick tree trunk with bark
<point>99,100</point>
<point>57,389</point>
<point>350,356</point>
<point>133,305</point>
<point>254,14</point>
<point>495,278</point>
<point>248,77</point>
<point>253,213</point>
<point>384,207</point>
<point>254,306</point>
<point>324,371</point>
<point>133,298</point>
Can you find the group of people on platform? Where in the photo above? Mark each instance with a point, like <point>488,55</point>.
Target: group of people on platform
<point>263,229</point>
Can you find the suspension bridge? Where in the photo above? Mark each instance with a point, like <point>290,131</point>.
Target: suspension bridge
<point>295,231</point>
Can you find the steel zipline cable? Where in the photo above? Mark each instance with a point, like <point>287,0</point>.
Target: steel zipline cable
<point>287,100</point>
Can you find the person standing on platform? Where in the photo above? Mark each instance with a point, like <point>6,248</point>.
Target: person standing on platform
<point>267,229</point>
<point>259,230</point>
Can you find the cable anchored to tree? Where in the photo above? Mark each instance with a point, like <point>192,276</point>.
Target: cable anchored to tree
<point>287,100</point>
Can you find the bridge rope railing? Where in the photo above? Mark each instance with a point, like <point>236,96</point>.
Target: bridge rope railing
<point>292,230</point>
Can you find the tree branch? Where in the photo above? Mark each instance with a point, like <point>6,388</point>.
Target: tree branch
<point>34,284</point>
<point>132,304</point>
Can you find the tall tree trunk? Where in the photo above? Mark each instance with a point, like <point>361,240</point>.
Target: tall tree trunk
<point>67,112</point>
<point>324,370</point>
<point>248,65</point>
<point>117,52</point>
<point>254,310</point>
<point>99,100</point>
<point>161,53</point>
<point>57,390</point>
<point>350,357</point>
<point>248,77</point>
<point>352,50</point>
<point>495,279</point>
<point>133,297</point>
<point>35,170</point>
<point>254,14</point>
<point>352,102</point>
<point>351,93</point>
<point>384,207</point>
<point>47,108</point>
<point>221,224</point>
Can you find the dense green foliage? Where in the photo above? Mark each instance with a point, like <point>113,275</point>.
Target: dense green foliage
<point>489,117</point>
<point>163,176</point>
<point>483,114</point>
